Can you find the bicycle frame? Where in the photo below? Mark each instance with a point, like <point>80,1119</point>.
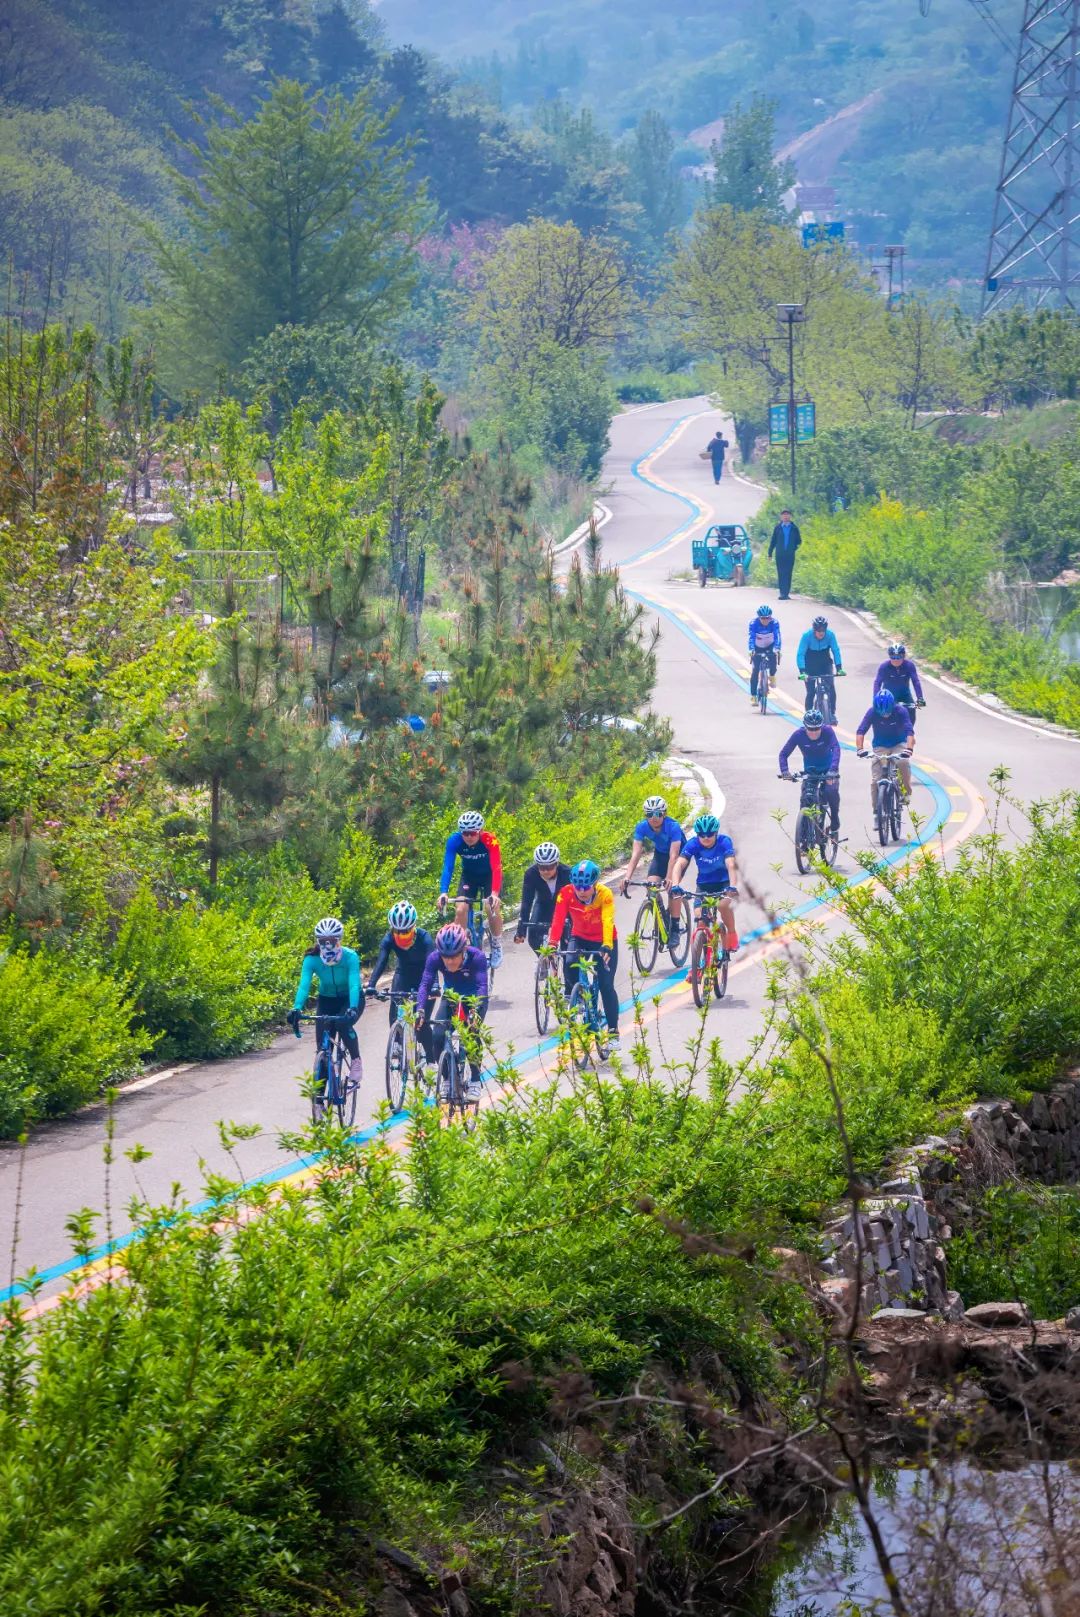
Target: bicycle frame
<point>760,670</point>
<point>335,1094</point>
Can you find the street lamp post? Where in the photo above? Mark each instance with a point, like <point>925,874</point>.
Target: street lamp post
<point>791,315</point>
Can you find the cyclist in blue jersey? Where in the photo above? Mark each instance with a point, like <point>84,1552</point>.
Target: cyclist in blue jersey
<point>820,749</point>
<point>892,732</point>
<point>714,855</point>
<point>464,971</point>
<point>899,675</point>
<point>337,971</point>
<point>410,946</point>
<point>763,635</point>
<point>819,662</point>
<point>666,836</point>
<point>481,875</point>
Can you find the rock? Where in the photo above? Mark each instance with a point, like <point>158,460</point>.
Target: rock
<point>894,1313</point>
<point>998,1316</point>
<point>1037,1111</point>
<point>900,1187</point>
<point>1072,1320</point>
<point>953,1306</point>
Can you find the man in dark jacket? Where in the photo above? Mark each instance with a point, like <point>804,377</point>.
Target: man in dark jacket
<point>785,541</point>
<point>716,449</point>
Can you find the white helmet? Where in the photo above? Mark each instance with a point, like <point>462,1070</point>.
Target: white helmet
<point>546,853</point>
<point>328,930</point>
<point>471,820</point>
<point>402,916</point>
<point>654,805</point>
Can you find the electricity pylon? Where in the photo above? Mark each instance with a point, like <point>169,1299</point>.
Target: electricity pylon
<point>1034,251</point>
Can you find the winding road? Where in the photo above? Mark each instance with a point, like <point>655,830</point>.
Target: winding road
<point>661,495</point>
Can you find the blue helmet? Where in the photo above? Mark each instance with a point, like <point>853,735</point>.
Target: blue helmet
<point>706,825</point>
<point>813,719</point>
<point>764,611</point>
<point>884,701</point>
<point>585,875</point>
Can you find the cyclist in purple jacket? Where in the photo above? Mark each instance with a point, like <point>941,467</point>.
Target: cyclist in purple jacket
<point>899,675</point>
<point>892,735</point>
<point>820,750</point>
<point>463,971</point>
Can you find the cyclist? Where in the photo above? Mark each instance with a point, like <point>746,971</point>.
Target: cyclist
<point>481,875</point>
<point>337,970</point>
<point>410,945</point>
<point>820,750</point>
<point>893,733</point>
<point>589,907</point>
<point>539,889</point>
<point>819,661</point>
<point>715,858</point>
<point>899,675</point>
<point>464,971</point>
<point>764,635</point>
<point>667,837</point>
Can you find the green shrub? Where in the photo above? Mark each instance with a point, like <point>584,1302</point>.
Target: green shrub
<point>205,982</point>
<point>66,1036</point>
<point>1023,1242</point>
<point>368,880</point>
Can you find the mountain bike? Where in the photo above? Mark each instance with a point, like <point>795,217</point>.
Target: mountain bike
<point>586,1029</point>
<point>652,929</point>
<point>812,839</point>
<point>479,929</point>
<point>889,799</point>
<point>547,987</point>
<point>404,1053</point>
<point>760,675</point>
<point>333,1088</point>
<point>452,1073</point>
<point>821,693</point>
<point>709,955</point>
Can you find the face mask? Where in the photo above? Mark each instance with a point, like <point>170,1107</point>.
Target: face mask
<point>329,953</point>
<point>405,940</point>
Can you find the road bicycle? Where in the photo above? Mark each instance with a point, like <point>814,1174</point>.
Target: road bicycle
<point>586,1029</point>
<point>652,929</point>
<point>760,677</point>
<point>452,1073</point>
<point>479,929</point>
<point>709,954</point>
<point>821,693</point>
<point>889,798</point>
<point>333,1088</point>
<point>404,1052</point>
<point>815,838</point>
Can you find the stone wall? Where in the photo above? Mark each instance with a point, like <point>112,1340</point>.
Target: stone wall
<point>895,1248</point>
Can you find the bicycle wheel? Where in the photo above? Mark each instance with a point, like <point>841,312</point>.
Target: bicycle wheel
<point>578,1036</point>
<point>699,964</point>
<point>763,689</point>
<point>346,1091</point>
<point>446,1082</point>
<point>646,937</point>
<point>322,1079</point>
<point>703,577</point>
<point>679,948</point>
<point>720,972</point>
<point>881,814</point>
<point>542,994</point>
<point>896,815</point>
<point>397,1065</point>
<point>805,833</point>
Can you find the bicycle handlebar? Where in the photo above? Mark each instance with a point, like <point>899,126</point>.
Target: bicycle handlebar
<point>338,1019</point>
<point>390,993</point>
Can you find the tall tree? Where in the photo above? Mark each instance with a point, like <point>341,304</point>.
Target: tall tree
<point>747,176</point>
<point>298,216</point>
<point>653,183</point>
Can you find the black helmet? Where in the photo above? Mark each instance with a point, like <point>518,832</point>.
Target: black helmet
<point>813,718</point>
<point>821,621</point>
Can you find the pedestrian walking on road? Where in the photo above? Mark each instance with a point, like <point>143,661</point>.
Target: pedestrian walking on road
<point>716,449</point>
<point>785,541</point>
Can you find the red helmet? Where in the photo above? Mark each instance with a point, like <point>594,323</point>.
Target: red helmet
<point>451,939</point>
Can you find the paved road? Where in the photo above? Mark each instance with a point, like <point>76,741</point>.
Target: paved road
<point>661,493</point>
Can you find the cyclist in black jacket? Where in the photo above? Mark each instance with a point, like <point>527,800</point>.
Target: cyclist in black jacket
<point>544,879</point>
<point>410,945</point>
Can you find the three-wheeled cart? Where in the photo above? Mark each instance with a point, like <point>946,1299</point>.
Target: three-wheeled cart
<point>724,554</point>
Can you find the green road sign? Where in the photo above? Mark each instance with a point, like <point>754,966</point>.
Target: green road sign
<point>778,423</point>
<point>805,424</point>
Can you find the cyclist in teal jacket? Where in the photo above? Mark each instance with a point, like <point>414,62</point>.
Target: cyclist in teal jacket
<point>340,990</point>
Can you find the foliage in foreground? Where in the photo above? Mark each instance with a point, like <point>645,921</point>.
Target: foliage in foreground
<point>1023,1242</point>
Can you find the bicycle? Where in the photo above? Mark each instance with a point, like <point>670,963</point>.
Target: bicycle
<point>333,1086</point>
<point>451,1075</point>
<point>479,929</point>
<point>652,930</point>
<point>821,693</point>
<point>760,675</point>
<point>404,1053</point>
<point>889,800</point>
<point>709,957</point>
<point>586,1028</point>
<point>812,840</point>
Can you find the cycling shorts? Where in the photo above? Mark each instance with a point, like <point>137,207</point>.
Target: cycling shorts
<point>658,865</point>
<point>478,889</point>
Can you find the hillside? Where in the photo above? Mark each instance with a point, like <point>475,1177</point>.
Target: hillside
<point>922,166</point>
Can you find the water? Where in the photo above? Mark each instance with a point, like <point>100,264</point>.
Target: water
<point>964,1541</point>
<point>1056,602</point>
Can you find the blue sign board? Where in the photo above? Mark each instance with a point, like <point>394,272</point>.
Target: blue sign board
<point>805,422</point>
<point>812,234</point>
<point>778,423</point>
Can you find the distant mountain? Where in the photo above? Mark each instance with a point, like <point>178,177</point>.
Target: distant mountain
<point>919,165</point>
